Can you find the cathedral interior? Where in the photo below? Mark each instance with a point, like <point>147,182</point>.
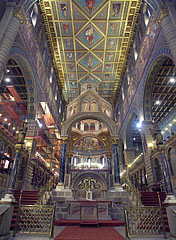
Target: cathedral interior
<point>88,117</point>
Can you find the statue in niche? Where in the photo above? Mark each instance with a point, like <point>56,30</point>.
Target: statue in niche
<point>22,133</point>
<point>156,133</point>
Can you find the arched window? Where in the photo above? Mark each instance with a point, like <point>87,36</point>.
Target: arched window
<point>85,107</point>
<point>93,107</point>
<point>86,127</point>
<point>92,126</point>
<point>166,135</point>
<point>173,129</point>
<point>172,161</point>
<point>147,14</point>
<point>34,14</point>
<point>79,125</point>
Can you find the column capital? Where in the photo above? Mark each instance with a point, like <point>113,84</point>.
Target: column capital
<point>64,139</point>
<point>18,14</point>
<point>115,140</point>
<point>69,154</point>
<point>161,148</point>
<point>163,13</point>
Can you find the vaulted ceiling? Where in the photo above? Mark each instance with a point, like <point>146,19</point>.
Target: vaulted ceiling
<point>90,41</point>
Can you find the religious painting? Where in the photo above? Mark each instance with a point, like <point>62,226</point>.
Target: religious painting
<point>89,79</point>
<point>74,92</point>
<point>90,7</point>
<point>116,10</point>
<point>107,77</point>
<point>105,85</point>
<point>109,56</point>
<point>71,76</point>
<point>68,44</point>
<point>66,29</point>
<point>71,67</point>
<point>89,144</point>
<point>64,10</point>
<point>90,36</point>
<point>69,56</point>
<point>89,62</point>
<point>73,84</point>
<point>149,40</point>
<point>111,43</point>
<point>113,29</point>
<point>108,67</point>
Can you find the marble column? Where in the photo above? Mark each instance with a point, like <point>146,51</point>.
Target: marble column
<point>166,173</point>
<point>8,39</point>
<point>168,30</point>
<point>62,161</point>
<point>69,158</point>
<point>116,164</point>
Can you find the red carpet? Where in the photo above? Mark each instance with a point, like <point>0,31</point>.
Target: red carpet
<point>89,233</point>
<point>69,222</point>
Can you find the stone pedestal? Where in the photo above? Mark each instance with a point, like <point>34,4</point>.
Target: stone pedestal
<point>170,203</point>
<point>6,211</point>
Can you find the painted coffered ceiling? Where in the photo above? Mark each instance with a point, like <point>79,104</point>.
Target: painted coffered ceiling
<point>90,40</point>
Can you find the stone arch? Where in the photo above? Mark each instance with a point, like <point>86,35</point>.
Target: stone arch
<point>129,132</point>
<point>26,67</point>
<point>147,99</point>
<point>110,124</point>
<point>95,175</point>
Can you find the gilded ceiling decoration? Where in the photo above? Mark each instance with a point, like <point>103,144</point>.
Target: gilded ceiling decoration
<point>90,40</point>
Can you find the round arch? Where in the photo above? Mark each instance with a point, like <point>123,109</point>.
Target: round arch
<point>133,132</point>
<point>110,124</point>
<point>25,65</point>
<point>151,77</point>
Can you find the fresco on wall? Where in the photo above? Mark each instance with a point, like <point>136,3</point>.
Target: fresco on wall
<point>147,46</point>
<point>89,144</point>
<point>144,55</point>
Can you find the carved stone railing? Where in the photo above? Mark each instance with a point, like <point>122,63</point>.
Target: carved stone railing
<point>144,221</point>
<point>133,191</point>
<point>35,219</point>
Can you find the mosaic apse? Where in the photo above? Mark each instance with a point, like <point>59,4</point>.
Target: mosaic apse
<point>90,41</point>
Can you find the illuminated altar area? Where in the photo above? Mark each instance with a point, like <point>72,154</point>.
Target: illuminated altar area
<point>89,179</point>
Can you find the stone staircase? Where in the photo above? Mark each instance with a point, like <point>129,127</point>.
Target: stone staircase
<point>23,198</point>
<point>152,199</point>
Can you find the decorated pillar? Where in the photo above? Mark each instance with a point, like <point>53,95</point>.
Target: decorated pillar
<point>62,159</point>
<point>9,39</point>
<point>166,173</point>
<point>169,32</point>
<point>19,147</point>
<point>116,160</point>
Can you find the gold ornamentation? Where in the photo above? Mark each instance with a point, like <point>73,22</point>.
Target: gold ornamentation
<point>18,14</point>
<point>143,221</point>
<point>89,183</point>
<point>37,219</point>
<point>163,13</point>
